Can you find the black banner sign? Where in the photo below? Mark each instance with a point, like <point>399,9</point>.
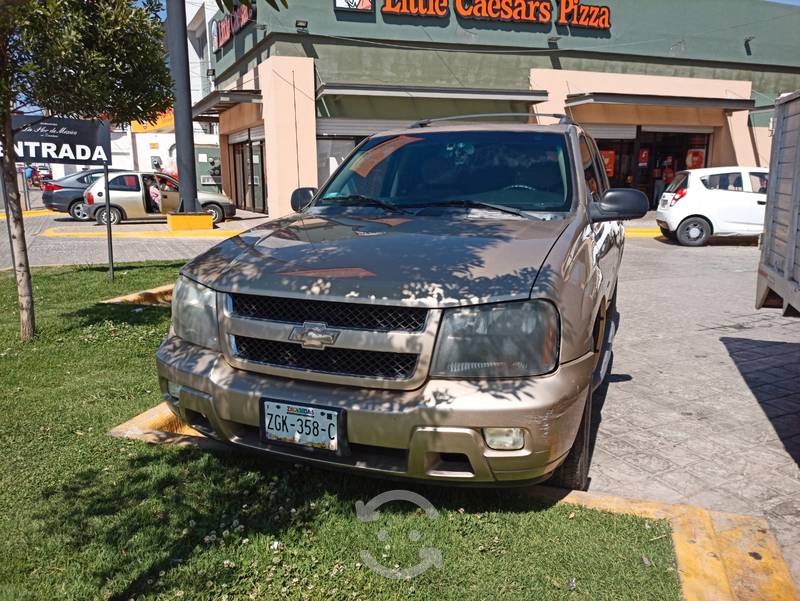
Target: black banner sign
<point>61,140</point>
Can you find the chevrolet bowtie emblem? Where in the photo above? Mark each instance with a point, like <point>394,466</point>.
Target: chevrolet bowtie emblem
<point>314,335</point>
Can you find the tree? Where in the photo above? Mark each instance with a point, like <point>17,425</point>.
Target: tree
<point>75,58</point>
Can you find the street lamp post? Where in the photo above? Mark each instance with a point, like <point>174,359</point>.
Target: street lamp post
<point>184,135</point>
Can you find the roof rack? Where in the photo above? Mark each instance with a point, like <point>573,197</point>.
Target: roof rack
<point>562,119</point>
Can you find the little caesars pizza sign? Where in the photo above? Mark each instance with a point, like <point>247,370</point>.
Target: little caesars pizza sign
<point>61,140</point>
<point>568,13</point>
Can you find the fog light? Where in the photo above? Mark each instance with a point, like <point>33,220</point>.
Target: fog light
<point>174,389</point>
<point>504,439</point>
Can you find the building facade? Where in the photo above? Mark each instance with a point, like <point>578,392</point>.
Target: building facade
<point>662,86</point>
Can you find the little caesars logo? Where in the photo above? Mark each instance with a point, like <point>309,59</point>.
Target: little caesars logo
<point>572,13</point>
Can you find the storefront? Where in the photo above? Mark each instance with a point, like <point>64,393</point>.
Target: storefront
<point>297,89</point>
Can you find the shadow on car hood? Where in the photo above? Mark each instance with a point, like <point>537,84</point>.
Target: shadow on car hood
<point>444,258</point>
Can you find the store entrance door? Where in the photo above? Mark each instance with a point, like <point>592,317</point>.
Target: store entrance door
<point>661,155</point>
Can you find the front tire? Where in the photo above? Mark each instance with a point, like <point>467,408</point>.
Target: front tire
<point>116,216</point>
<point>216,211</point>
<point>694,231</point>
<point>574,472</point>
<point>77,210</point>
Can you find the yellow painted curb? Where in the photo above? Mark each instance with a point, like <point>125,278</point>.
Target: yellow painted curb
<point>34,213</point>
<point>642,230</point>
<point>720,556</point>
<point>179,222</point>
<point>161,297</point>
<point>56,232</point>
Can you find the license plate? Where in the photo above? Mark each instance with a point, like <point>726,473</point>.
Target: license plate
<point>303,425</point>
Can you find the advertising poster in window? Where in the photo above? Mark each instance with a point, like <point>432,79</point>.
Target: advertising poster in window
<point>644,157</point>
<point>609,161</point>
<point>696,158</point>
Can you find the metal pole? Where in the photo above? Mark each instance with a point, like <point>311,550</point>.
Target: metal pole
<point>25,193</point>
<point>184,135</point>
<point>108,226</point>
<point>5,208</point>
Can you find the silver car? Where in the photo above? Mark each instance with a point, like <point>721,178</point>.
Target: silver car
<point>130,198</point>
<point>442,309</point>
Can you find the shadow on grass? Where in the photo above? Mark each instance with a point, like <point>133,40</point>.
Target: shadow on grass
<point>134,315</point>
<point>148,510</point>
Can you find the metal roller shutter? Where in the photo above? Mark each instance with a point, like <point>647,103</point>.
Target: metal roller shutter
<point>610,132</point>
<point>357,127</point>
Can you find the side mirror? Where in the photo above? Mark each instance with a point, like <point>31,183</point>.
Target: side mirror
<point>619,204</point>
<point>301,198</point>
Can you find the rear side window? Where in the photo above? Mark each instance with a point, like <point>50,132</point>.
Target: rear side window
<point>681,182</point>
<point>759,182</point>
<point>124,183</point>
<point>724,181</point>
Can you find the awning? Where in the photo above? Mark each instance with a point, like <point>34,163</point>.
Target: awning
<point>219,101</point>
<point>726,104</point>
<point>399,91</point>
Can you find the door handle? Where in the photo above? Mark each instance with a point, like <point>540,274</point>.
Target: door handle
<point>762,202</point>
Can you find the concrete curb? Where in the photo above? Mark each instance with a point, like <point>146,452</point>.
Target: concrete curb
<point>720,556</point>
<point>161,297</point>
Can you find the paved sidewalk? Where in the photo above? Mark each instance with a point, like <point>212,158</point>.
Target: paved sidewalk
<point>703,404</point>
<point>56,239</point>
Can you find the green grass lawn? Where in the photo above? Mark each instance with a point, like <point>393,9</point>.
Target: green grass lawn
<point>87,516</point>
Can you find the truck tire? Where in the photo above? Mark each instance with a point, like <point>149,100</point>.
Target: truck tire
<point>694,231</point>
<point>216,211</point>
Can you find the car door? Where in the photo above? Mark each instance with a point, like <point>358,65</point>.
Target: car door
<point>727,203</point>
<point>126,193</point>
<point>758,181</point>
<point>170,198</point>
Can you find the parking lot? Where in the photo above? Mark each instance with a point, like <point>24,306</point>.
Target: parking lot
<point>703,404</point>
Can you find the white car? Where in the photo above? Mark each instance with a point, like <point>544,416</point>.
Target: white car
<point>722,201</point>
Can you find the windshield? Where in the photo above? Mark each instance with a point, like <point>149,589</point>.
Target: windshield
<point>527,171</point>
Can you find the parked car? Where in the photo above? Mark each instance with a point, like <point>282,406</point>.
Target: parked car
<point>722,201</point>
<point>130,198</point>
<point>442,309</point>
<point>65,195</point>
<point>779,268</point>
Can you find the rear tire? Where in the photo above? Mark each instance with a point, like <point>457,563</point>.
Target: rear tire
<point>77,210</point>
<point>694,231</point>
<point>116,216</point>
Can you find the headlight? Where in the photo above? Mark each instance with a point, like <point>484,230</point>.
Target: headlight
<point>194,313</point>
<point>507,340</point>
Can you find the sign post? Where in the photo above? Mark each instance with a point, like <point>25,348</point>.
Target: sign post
<point>65,141</point>
<point>108,225</point>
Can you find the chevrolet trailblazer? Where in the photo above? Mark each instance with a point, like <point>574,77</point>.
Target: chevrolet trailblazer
<point>441,309</point>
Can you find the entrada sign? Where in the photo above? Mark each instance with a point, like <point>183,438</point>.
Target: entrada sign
<point>222,31</point>
<point>570,13</point>
<point>61,140</point>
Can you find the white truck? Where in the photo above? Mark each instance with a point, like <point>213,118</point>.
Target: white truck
<point>779,270</point>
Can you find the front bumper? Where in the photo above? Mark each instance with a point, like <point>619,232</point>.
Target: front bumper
<point>433,433</point>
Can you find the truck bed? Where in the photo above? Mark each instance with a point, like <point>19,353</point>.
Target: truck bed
<point>779,269</point>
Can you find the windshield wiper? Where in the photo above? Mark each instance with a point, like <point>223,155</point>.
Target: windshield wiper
<point>474,204</point>
<point>368,200</point>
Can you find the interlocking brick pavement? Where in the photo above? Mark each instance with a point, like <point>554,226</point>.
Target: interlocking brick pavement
<point>703,403</point>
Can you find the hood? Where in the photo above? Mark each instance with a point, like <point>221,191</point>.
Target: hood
<point>439,259</point>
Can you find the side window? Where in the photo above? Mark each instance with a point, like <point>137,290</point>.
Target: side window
<point>724,181</point>
<point>124,183</point>
<point>600,169</point>
<point>590,170</point>
<point>759,182</point>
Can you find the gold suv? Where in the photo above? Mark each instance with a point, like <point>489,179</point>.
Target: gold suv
<point>441,309</point>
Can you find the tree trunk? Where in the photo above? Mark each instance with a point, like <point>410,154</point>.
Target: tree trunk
<point>22,269</point>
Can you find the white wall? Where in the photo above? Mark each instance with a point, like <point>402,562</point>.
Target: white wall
<point>163,146</point>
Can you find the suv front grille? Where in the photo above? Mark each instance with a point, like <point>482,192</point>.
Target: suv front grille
<point>338,361</point>
<point>337,315</point>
